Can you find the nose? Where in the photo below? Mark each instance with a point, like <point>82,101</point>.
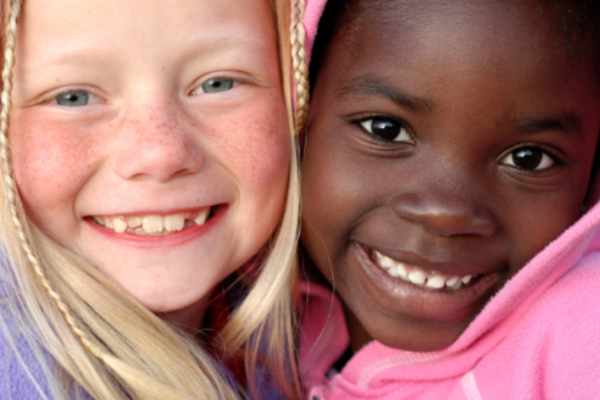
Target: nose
<point>156,142</point>
<point>444,211</point>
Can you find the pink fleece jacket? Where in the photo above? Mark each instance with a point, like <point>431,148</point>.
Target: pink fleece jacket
<point>538,338</point>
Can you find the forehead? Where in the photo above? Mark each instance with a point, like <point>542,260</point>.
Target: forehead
<point>50,28</point>
<point>176,13</point>
<point>417,17</point>
<point>472,35</point>
<point>444,50</point>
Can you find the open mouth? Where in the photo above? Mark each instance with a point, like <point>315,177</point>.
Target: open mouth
<point>154,225</point>
<point>421,277</point>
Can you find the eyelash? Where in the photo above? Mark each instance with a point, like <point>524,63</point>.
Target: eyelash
<point>545,156</point>
<point>553,158</point>
<point>54,97</point>
<point>367,125</point>
<point>236,81</point>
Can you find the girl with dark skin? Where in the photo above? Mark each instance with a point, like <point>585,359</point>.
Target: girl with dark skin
<point>448,145</point>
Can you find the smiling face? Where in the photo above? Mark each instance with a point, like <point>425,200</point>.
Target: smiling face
<point>150,138</point>
<point>447,145</point>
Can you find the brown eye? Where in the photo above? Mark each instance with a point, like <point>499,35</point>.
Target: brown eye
<point>529,158</point>
<point>386,129</point>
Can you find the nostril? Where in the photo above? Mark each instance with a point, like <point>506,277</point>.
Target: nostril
<point>456,221</point>
<point>443,215</point>
<point>160,160</point>
<point>483,223</point>
<point>156,140</point>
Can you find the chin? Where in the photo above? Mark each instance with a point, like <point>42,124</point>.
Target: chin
<point>421,336</point>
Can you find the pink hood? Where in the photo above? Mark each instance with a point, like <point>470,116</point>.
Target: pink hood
<point>538,338</point>
<point>312,15</point>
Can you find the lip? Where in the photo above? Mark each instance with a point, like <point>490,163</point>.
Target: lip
<point>450,268</point>
<point>162,213</point>
<point>173,239</point>
<point>424,304</point>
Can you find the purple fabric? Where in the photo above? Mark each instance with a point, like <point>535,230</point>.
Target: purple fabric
<point>21,375</point>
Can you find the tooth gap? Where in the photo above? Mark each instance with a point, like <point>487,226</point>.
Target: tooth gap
<point>473,279</point>
<point>98,221</point>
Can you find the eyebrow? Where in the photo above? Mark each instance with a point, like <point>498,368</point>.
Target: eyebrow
<point>567,122</point>
<point>78,57</point>
<point>83,56</point>
<point>368,85</point>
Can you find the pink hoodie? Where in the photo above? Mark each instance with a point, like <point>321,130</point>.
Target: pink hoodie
<point>538,338</point>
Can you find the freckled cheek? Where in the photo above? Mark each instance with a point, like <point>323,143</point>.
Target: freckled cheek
<point>51,162</point>
<point>255,144</point>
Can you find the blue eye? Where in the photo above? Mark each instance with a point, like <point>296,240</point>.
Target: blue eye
<point>530,158</point>
<point>386,128</point>
<point>73,98</point>
<point>216,85</point>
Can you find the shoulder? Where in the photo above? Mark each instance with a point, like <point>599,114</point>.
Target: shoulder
<point>554,349</point>
<point>266,390</point>
<point>23,364</point>
<point>572,302</point>
<point>323,337</point>
<point>569,316</point>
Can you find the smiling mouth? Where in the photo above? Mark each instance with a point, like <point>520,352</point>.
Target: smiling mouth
<point>421,277</point>
<point>154,225</point>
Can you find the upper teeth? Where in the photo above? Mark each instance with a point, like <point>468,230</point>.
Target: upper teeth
<point>420,277</point>
<point>152,224</point>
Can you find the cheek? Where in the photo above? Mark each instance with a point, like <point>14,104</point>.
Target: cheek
<point>257,153</point>
<point>50,161</point>
<point>255,145</point>
<point>330,198</point>
<point>535,222</point>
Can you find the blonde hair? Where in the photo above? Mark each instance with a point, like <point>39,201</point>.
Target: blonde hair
<point>103,340</point>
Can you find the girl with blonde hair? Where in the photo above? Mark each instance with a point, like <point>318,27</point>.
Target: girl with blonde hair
<point>148,173</point>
